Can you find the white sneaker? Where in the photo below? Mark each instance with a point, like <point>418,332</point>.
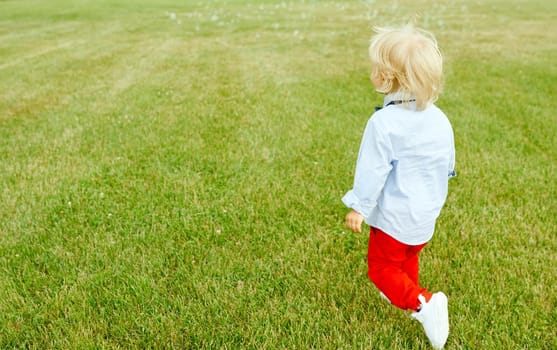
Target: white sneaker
<point>434,316</point>
<point>382,295</point>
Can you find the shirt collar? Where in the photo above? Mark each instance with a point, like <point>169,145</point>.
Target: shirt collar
<point>400,96</point>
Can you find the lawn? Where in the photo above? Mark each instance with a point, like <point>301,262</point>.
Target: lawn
<point>171,174</point>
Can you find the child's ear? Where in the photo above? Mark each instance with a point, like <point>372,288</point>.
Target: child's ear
<point>388,77</point>
<point>386,83</point>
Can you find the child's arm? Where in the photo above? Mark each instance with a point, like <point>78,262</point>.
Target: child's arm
<point>452,172</point>
<point>372,169</point>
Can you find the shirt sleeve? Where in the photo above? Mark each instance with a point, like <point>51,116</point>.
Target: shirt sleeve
<point>452,162</point>
<point>372,168</point>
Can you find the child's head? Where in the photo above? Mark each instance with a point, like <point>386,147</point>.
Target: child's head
<point>406,60</point>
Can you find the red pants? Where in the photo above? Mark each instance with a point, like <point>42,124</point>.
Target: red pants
<point>393,267</point>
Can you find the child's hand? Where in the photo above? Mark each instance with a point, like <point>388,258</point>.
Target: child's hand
<point>354,221</point>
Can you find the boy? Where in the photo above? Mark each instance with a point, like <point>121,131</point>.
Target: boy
<point>406,157</point>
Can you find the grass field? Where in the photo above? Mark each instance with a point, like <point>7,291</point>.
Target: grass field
<point>171,174</point>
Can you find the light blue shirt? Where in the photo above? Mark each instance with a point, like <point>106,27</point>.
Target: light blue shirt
<point>406,158</point>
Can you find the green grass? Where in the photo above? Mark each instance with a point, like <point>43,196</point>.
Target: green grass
<point>174,181</point>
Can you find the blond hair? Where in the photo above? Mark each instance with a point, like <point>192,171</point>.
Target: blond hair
<point>409,62</point>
